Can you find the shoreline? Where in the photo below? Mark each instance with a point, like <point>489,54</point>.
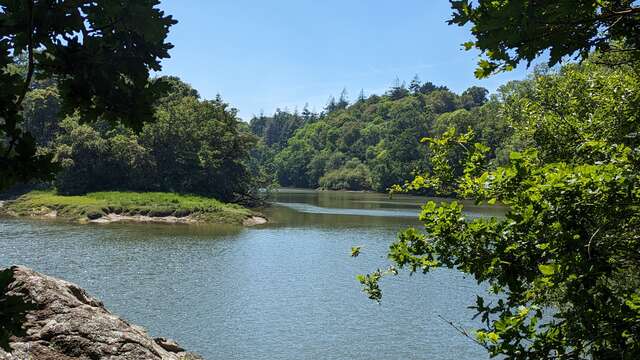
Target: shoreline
<point>129,207</point>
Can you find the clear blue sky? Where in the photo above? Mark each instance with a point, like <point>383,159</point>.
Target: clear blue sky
<point>261,55</point>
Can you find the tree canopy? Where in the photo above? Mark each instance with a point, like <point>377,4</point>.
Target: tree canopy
<point>372,143</point>
<point>510,31</point>
<point>192,146</point>
<point>99,53</point>
<point>564,261</point>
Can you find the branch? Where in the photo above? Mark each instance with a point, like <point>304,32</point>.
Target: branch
<point>30,69</point>
<point>462,331</point>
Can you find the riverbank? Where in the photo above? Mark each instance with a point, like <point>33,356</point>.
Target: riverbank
<point>148,207</point>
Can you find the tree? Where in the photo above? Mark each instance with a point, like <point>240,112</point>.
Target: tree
<point>415,85</point>
<point>473,97</point>
<point>564,260</point>
<point>175,89</point>
<point>41,114</point>
<point>193,146</point>
<point>332,105</point>
<point>398,90</point>
<point>508,32</point>
<point>343,101</point>
<point>100,52</point>
<point>352,176</point>
<point>94,160</point>
<point>199,147</point>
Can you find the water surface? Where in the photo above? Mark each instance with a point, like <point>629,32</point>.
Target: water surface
<point>286,290</point>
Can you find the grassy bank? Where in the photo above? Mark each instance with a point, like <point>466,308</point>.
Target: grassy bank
<point>127,206</point>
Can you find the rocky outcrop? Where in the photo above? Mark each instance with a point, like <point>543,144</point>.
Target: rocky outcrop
<point>45,318</point>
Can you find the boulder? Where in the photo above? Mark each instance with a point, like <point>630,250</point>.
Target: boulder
<point>45,318</point>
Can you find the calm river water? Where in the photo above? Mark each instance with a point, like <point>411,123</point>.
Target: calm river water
<point>286,290</point>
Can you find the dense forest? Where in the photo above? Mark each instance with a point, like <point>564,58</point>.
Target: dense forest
<point>201,147</point>
<point>193,146</point>
<point>374,142</point>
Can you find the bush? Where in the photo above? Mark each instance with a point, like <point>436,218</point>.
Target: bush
<point>352,176</point>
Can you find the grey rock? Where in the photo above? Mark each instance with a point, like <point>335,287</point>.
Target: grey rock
<point>62,321</point>
<point>168,344</point>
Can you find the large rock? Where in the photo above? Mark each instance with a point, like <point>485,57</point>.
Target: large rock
<point>46,318</point>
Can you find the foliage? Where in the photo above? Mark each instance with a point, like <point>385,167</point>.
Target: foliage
<point>100,52</point>
<point>92,161</point>
<point>354,175</point>
<point>510,31</point>
<point>198,147</point>
<point>194,146</point>
<point>564,261</point>
<point>41,113</point>
<point>95,205</point>
<point>381,132</point>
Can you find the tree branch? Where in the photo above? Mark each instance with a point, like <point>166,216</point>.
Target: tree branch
<point>30,70</point>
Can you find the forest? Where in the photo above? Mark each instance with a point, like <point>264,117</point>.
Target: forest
<point>193,146</point>
<point>374,142</point>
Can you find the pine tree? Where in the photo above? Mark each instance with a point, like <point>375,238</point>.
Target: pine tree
<point>415,85</point>
<point>343,101</point>
<point>361,96</point>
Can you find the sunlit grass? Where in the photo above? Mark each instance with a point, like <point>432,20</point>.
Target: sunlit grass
<point>95,205</point>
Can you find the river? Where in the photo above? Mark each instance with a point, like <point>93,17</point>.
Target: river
<point>286,290</point>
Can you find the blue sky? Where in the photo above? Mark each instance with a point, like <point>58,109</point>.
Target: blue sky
<point>261,55</point>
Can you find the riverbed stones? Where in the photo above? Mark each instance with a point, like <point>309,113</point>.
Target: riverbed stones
<point>48,318</point>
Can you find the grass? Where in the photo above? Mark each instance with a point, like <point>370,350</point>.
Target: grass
<point>155,204</point>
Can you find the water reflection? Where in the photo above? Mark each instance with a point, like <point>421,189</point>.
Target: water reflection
<point>286,290</point>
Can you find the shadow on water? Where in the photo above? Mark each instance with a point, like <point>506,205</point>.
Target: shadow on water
<point>301,207</point>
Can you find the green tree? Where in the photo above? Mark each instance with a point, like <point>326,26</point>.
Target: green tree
<point>354,175</point>
<point>473,97</point>
<point>199,147</point>
<point>563,261</point>
<point>508,32</point>
<point>41,114</point>
<point>93,160</point>
<point>100,52</point>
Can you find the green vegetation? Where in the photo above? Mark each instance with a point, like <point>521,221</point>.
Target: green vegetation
<point>561,150</point>
<point>373,143</point>
<point>101,66</point>
<point>153,204</point>
<point>508,32</point>
<point>563,264</point>
<point>194,147</point>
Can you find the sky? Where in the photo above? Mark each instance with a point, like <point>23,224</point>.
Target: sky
<point>264,55</point>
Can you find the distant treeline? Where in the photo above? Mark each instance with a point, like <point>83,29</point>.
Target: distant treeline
<point>201,147</point>
<point>375,141</point>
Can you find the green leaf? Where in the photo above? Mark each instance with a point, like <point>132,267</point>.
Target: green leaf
<point>355,251</point>
<point>547,269</point>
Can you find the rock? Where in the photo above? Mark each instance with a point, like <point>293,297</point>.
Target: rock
<point>254,220</point>
<point>168,344</point>
<point>47,318</point>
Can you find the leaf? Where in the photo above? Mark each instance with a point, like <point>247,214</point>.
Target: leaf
<point>547,269</point>
<point>515,156</point>
<point>543,246</point>
<point>355,251</point>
